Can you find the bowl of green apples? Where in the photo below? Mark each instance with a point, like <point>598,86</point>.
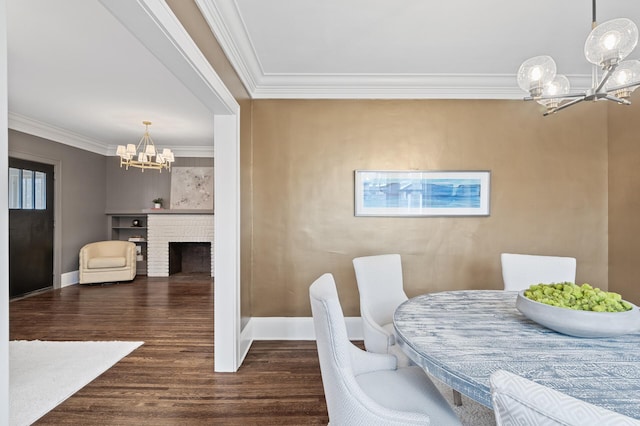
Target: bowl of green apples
<point>579,310</point>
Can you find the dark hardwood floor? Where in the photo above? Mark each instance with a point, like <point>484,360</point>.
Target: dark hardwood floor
<point>170,379</point>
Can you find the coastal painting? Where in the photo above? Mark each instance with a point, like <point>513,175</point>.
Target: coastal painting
<point>422,193</point>
<point>192,188</point>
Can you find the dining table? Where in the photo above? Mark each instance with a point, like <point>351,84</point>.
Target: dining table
<point>461,337</point>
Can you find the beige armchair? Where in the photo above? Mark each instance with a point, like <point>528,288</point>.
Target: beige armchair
<point>107,261</point>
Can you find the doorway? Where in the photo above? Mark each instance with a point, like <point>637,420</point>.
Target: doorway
<point>31,226</point>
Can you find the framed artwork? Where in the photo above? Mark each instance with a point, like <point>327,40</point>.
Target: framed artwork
<point>192,188</point>
<point>422,193</point>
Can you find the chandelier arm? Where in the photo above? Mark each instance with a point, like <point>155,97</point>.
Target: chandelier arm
<point>139,144</point>
<point>565,96</point>
<point>573,95</point>
<point>610,97</point>
<point>605,78</point>
<point>563,106</point>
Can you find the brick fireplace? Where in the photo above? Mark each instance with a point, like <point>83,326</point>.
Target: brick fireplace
<point>165,228</point>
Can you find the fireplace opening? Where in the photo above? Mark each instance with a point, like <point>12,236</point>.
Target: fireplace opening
<point>189,257</point>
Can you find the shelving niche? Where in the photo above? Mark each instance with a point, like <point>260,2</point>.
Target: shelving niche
<point>121,227</point>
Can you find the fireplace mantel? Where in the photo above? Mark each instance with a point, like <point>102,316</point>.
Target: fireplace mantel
<point>177,211</point>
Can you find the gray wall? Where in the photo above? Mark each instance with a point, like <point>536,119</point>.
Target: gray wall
<point>134,190</point>
<point>82,191</point>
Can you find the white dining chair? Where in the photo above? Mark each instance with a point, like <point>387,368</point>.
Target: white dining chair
<point>364,388</point>
<point>519,401</point>
<point>381,288</point>
<point>380,285</point>
<point>519,271</point>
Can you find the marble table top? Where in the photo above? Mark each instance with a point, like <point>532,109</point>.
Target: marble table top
<point>462,337</point>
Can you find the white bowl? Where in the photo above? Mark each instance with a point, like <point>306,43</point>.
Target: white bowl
<point>579,323</point>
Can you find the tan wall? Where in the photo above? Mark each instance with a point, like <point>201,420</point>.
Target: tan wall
<point>549,189</point>
<point>624,199</point>
<point>549,193</point>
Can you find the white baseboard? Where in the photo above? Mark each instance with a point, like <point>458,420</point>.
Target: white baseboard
<point>69,278</point>
<point>294,328</point>
<point>287,328</point>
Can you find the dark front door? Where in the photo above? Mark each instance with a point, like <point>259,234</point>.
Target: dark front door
<point>30,226</point>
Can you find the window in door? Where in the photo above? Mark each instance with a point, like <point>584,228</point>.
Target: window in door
<point>27,189</point>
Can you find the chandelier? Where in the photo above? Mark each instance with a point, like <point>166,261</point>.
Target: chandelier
<point>142,156</point>
<point>612,78</point>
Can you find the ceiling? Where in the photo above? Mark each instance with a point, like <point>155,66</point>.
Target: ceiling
<point>76,71</point>
<point>404,49</point>
<point>76,75</point>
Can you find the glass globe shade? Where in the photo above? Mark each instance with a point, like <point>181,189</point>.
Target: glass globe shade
<point>535,73</point>
<point>626,78</point>
<point>611,42</point>
<point>627,72</point>
<point>557,87</point>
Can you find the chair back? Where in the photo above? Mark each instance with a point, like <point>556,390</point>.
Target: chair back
<point>380,286</point>
<point>363,388</point>
<point>332,340</point>
<point>517,400</point>
<point>519,271</point>
<point>107,248</point>
<point>328,320</point>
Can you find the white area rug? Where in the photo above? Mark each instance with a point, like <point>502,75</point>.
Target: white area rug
<point>43,374</point>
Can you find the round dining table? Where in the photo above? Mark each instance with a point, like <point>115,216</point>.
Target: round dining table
<point>462,337</point>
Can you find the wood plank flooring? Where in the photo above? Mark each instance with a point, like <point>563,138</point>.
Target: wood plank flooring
<point>170,379</point>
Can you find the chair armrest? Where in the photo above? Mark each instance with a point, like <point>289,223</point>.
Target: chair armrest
<point>366,362</point>
<point>376,336</point>
<point>131,255</point>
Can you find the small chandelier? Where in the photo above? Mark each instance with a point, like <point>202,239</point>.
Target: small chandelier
<point>142,155</point>
<point>606,47</point>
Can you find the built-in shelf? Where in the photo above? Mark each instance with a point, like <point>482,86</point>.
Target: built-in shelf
<point>121,228</point>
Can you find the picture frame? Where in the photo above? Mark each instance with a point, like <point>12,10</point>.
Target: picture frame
<point>421,193</point>
<point>192,188</point>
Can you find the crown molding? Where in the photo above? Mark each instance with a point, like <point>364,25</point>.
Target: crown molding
<point>34,127</point>
<point>395,86</point>
<point>233,39</point>
<point>225,21</point>
<point>43,130</point>
<point>387,86</point>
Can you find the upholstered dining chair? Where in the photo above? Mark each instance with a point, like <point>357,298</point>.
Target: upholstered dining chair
<point>380,285</point>
<point>364,388</point>
<point>519,401</point>
<point>381,288</point>
<point>519,271</point>
<point>107,261</point>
